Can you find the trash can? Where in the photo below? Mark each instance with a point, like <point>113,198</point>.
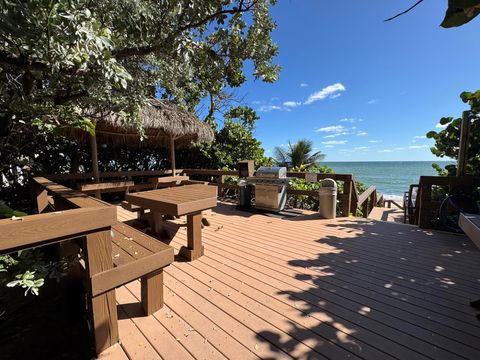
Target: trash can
<point>245,200</point>
<point>327,195</point>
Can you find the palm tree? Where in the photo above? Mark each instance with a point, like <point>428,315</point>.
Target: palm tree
<point>297,154</point>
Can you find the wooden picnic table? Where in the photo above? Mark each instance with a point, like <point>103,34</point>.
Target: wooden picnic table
<point>188,200</point>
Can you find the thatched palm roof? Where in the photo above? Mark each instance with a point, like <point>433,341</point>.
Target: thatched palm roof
<point>162,121</point>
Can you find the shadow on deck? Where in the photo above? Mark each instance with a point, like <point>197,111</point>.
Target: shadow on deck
<point>307,288</point>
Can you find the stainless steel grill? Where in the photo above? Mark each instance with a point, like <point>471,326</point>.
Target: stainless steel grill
<point>270,187</point>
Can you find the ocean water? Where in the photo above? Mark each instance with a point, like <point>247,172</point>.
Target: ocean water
<point>391,178</point>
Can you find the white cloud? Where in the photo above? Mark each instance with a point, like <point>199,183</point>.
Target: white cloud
<point>326,92</point>
<point>303,84</point>
<point>292,103</point>
<point>418,146</point>
<point>420,137</point>
<point>335,135</point>
<point>268,108</point>
<point>362,133</point>
<point>372,101</point>
<point>350,120</point>
<point>440,126</point>
<point>332,129</point>
<point>374,141</point>
<point>392,149</point>
<point>334,142</point>
<point>364,148</point>
<point>328,146</point>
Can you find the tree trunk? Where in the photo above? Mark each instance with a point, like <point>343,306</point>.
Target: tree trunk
<point>172,155</point>
<point>94,155</point>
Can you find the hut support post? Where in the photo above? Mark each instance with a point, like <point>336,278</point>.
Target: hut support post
<point>172,154</point>
<point>94,154</point>
<point>463,146</point>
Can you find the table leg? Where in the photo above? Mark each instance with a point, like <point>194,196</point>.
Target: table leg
<point>152,292</point>
<point>476,305</point>
<point>194,248</point>
<point>157,224</point>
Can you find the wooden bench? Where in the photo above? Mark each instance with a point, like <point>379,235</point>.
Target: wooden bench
<point>133,208</point>
<point>114,186</point>
<point>470,224</point>
<point>167,181</point>
<point>116,257</point>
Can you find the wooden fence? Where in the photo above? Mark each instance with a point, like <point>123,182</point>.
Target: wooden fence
<point>349,198</point>
<point>426,206</point>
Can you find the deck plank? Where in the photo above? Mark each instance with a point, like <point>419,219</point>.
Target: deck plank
<point>310,269</point>
<point>308,288</point>
<point>326,294</point>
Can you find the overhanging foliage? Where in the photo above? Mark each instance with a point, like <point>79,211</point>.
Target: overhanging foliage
<point>59,57</point>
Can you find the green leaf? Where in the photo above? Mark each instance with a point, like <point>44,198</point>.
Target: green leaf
<point>445,120</point>
<point>431,134</point>
<point>460,12</point>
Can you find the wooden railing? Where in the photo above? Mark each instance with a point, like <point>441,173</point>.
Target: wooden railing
<point>426,207</point>
<point>110,175</point>
<point>93,226</point>
<point>349,198</point>
<point>389,202</point>
<point>367,200</point>
<point>44,229</point>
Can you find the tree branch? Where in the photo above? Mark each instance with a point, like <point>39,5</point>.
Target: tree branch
<point>148,49</point>
<point>20,62</point>
<point>404,12</point>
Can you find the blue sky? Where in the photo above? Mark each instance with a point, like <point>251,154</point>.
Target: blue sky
<point>362,89</point>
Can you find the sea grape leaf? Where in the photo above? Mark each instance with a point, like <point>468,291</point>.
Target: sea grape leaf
<point>460,12</point>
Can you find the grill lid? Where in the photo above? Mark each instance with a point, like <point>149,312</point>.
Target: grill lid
<point>271,172</point>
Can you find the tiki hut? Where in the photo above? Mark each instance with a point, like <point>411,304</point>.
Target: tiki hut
<point>164,124</point>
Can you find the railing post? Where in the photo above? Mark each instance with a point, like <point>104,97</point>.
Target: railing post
<point>347,198</point>
<point>103,307</point>
<point>365,208</point>
<point>424,208</point>
<point>463,145</point>
<point>220,183</point>
<point>40,195</point>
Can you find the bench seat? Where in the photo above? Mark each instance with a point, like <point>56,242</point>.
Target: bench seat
<point>470,224</point>
<point>113,257</point>
<point>136,255</point>
<point>113,186</point>
<point>130,207</point>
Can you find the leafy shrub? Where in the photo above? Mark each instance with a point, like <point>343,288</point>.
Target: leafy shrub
<point>305,201</point>
<point>29,269</point>
<point>447,139</point>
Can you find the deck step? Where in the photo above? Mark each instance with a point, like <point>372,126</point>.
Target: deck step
<point>386,214</point>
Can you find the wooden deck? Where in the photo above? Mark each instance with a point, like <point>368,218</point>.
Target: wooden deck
<point>309,289</point>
